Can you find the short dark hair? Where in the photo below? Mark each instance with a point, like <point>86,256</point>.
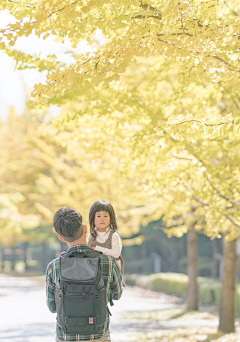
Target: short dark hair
<point>102,206</point>
<point>68,223</point>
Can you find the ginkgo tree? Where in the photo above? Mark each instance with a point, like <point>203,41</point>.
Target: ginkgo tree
<point>202,35</point>
<point>178,169</point>
<point>46,173</point>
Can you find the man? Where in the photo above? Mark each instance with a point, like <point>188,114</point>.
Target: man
<point>70,228</point>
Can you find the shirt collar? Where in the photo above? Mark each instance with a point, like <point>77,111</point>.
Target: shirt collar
<point>107,230</point>
<point>79,248</point>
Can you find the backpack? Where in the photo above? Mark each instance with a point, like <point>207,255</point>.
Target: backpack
<point>80,294</point>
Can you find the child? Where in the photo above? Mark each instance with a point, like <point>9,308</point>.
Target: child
<point>104,235</point>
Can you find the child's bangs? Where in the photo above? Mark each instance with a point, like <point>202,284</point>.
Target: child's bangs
<point>102,207</point>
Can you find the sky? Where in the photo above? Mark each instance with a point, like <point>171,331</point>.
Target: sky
<point>13,83</point>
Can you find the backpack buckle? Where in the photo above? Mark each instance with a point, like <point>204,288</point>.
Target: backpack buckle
<point>66,321</point>
<point>59,290</point>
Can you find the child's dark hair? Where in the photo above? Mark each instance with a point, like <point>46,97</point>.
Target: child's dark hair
<point>68,223</point>
<point>102,206</point>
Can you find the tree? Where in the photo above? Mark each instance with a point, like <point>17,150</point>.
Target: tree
<point>191,168</point>
<point>48,174</point>
<point>15,170</point>
<point>192,299</point>
<point>203,36</point>
<point>228,299</point>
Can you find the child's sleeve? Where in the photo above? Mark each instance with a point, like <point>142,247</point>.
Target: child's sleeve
<point>116,249</point>
<point>88,238</point>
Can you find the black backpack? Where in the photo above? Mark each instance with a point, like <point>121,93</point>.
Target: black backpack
<point>80,294</point>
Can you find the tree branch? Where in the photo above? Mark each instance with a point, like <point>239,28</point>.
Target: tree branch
<point>62,8</point>
<point>231,220</point>
<point>223,61</point>
<point>201,122</point>
<point>175,34</point>
<point>141,16</point>
<point>200,201</point>
<point>15,2</point>
<point>154,9</point>
<point>146,7</point>
<point>223,196</point>
<point>209,56</point>
<point>214,188</point>
<point>181,157</point>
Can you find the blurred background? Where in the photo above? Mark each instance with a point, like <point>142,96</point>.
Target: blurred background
<point>155,253</point>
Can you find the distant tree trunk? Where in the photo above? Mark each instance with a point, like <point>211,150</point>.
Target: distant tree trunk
<point>44,259</point>
<point>227,307</point>
<point>13,259</point>
<point>192,253</point>
<point>215,262</point>
<point>175,257</point>
<point>1,260</point>
<point>25,259</point>
<point>144,253</point>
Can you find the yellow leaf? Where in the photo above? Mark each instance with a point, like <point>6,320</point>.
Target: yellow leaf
<point>59,39</point>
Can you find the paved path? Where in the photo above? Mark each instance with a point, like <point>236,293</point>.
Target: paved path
<point>22,301</point>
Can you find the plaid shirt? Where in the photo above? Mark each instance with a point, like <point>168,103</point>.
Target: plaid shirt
<point>113,283</point>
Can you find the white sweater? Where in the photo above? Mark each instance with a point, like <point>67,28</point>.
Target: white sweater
<point>116,249</point>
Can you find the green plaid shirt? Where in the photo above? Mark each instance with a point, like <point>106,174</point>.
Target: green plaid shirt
<point>113,282</point>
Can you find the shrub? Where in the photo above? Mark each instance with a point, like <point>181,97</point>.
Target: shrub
<point>171,283</point>
<point>177,284</point>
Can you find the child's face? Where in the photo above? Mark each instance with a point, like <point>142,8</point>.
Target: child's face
<point>102,220</point>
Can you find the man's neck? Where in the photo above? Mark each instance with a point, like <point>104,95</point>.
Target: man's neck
<point>81,241</point>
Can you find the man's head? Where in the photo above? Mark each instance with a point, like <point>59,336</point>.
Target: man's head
<point>68,224</point>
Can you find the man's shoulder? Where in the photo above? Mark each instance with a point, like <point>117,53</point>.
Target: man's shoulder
<point>53,264</point>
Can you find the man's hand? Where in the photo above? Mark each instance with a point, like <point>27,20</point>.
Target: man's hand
<point>94,248</point>
<point>63,252</point>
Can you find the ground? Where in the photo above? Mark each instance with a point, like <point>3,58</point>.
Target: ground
<point>140,315</point>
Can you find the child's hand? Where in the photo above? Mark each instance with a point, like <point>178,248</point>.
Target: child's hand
<point>63,252</point>
<point>93,248</point>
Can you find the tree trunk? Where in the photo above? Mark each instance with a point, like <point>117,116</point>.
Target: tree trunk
<point>13,259</point>
<point>25,258</point>
<point>44,259</point>
<point>1,260</point>
<point>144,255</point>
<point>227,307</point>
<point>215,262</point>
<point>192,253</point>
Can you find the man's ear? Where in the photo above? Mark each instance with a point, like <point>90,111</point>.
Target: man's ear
<point>61,238</point>
<point>84,229</point>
